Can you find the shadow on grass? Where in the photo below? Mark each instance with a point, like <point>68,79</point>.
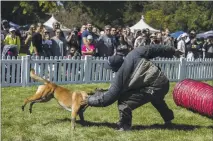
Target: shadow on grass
<point>173,126</point>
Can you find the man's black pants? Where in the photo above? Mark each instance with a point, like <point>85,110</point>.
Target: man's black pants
<point>134,99</point>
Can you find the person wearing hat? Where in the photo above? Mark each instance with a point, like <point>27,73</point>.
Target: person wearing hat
<point>137,82</point>
<point>89,51</point>
<point>12,38</point>
<point>181,45</point>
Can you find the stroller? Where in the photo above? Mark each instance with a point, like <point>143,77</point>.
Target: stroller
<point>10,50</point>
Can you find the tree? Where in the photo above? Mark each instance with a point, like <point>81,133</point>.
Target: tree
<point>22,12</point>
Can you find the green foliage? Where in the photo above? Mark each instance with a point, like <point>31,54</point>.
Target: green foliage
<point>45,6</point>
<point>50,122</point>
<point>175,15</point>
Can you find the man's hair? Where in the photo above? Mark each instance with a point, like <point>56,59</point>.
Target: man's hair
<point>107,26</point>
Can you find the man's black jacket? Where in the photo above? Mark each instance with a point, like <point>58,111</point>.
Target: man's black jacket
<point>102,99</point>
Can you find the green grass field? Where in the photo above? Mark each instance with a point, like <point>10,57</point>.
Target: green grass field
<point>50,122</point>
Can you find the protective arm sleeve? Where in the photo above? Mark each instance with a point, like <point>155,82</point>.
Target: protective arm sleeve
<point>103,99</point>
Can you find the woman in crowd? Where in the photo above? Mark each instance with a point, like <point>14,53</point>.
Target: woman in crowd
<point>72,38</point>
<point>140,39</point>
<point>123,47</point>
<point>153,39</point>
<point>13,39</point>
<point>59,44</point>
<point>47,44</point>
<point>28,40</point>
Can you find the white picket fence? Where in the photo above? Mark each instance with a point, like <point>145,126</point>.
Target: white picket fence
<point>15,72</point>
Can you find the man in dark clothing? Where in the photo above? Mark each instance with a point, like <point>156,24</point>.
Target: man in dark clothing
<point>137,82</point>
<point>37,41</point>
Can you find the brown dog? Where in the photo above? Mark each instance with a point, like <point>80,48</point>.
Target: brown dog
<point>70,100</point>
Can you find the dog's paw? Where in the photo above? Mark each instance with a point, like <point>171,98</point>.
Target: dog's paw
<point>30,111</point>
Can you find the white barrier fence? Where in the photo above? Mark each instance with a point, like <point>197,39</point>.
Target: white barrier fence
<point>15,72</point>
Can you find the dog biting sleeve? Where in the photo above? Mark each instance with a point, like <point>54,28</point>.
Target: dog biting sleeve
<point>120,82</point>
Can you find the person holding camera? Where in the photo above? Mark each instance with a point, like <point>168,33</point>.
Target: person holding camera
<point>72,39</point>
<point>123,47</point>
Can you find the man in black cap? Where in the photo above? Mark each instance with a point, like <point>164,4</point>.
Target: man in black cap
<point>137,81</point>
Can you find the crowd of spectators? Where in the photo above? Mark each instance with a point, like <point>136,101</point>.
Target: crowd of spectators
<point>90,41</point>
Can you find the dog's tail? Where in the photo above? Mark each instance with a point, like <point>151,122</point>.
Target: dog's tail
<point>36,77</point>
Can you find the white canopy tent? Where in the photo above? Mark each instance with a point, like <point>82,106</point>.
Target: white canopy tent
<point>142,25</point>
<point>49,24</point>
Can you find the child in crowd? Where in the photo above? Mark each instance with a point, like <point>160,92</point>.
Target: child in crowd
<point>88,51</point>
<point>73,52</point>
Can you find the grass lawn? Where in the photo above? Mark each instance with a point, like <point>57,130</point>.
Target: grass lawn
<point>50,122</point>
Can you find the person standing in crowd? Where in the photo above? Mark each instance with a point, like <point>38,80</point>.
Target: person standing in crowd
<point>129,37</point>
<point>95,35</point>
<point>114,37</point>
<point>153,39</point>
<point>208,47</point>
<point>167,40</point>
<point>140,39</point>
<point>72,38</point>
<point>159,40</point>
<point>59,44</point>
<point>47,44</point>
<point>147,36</point>
<point>85,33</point>
<point>28,40</point>
<point>37,40</point>
<point>56,25</point>
<point>200,42</point>
<point>88,51</point>
<point>137,82</point>
<point>123,47</point>
<point>181,44</point>
<point>83,28</point>
<point>105,45</point>
<point>13,39</point>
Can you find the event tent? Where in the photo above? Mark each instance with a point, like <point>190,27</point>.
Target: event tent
<point>176,34</point>
<point>142,25</point>
<point>205,34</point>
<point>49,24</point>
<point>14,25</point>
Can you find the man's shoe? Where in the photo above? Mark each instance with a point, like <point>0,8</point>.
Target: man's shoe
<point>123,127</point>
<point>168,124</point>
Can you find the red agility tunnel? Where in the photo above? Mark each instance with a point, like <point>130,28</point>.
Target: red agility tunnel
<point>194,95</point>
